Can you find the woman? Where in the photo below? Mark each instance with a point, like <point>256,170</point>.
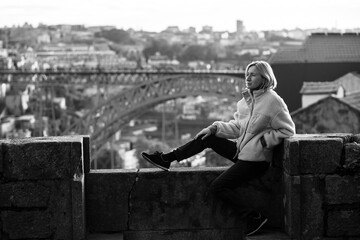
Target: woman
<point>261,122</point>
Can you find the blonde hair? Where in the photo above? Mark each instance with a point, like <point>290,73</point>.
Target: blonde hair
<point>266,73</point>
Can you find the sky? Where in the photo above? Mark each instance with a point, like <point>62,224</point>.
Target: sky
<point>157,15</point>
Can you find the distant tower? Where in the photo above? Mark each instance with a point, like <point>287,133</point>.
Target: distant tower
<point>239,28</point>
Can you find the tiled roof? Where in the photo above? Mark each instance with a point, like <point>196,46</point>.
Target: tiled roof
<point>352,99</point>
<point>350,82</point>
<point>320,48</point>
<point>320,87</point>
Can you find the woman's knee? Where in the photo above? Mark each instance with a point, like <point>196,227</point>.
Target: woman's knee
<point>210,141</point>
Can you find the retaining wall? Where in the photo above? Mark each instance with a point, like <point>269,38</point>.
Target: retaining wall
<point>42,188</point>
<point>311,192</point>
<point>322,186</point>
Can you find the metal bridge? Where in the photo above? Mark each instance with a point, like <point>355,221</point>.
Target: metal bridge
<point>143,89</point>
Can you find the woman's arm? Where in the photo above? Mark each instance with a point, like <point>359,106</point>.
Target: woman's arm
<point>283,127</point>
<point>229,130</point>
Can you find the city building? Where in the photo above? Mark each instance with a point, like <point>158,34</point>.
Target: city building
<point>322,57</point>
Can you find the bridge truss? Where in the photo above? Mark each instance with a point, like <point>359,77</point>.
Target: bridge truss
<point>144,90</point>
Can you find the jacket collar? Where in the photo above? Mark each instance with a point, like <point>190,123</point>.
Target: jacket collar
<point>248,97</point>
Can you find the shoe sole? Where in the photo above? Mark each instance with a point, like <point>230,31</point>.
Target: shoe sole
<point>157,165</point>
<point>258,228</point>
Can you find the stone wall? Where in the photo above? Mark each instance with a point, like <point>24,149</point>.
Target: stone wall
<point>42,188</point>
<point>311,192</point>
<point>154,204</point>
<point>322,186</point>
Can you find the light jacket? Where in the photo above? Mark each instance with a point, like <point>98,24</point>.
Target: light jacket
<point>262,114</point>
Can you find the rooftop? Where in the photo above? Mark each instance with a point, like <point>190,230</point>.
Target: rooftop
<point>352,99</point>
<point>320,87</point>
<point>322,47</point>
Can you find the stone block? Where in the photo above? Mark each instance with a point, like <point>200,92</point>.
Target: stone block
<point>42,158</point>
<point>342,189</point>
<point>303,199</point>
<point>352,152</point>
<point>178,199</point>
<point>107,199</point>
<point>25,194</point>
<point>312,213</point>
<point>352,158</point>
<point>308,155</point>
<point>26,224</point>
<point>60,207</point>
<point>208,234</point>
<point>59,199</point>
<point>291,163</point>
<point>343,221</point>
<point>292,205</point>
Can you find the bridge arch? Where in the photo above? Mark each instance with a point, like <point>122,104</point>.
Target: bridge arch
<point>107,118</point>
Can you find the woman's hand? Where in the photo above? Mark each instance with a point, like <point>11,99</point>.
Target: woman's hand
<point>206,132</point>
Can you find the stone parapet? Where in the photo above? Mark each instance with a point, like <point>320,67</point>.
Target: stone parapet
<point>154,204</point>
<point>47,191</point>
<point>42,188</point>
<point>322,179</point>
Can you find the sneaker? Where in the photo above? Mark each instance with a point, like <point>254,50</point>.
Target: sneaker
<point>157,160</point>
<point>254,224</point>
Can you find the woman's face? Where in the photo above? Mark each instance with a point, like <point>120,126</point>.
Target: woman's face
<point>253,79</point>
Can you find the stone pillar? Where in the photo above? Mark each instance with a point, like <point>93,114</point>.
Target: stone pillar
<point>315,185</point>
<point>42,188</point>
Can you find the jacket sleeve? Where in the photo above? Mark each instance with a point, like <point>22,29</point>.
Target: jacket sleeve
<point>230,129</point>
<point>282,127</point>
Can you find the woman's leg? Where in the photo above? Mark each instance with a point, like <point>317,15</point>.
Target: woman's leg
<point>224,147</point>
<point>221,146</point>
<point>242,171</point>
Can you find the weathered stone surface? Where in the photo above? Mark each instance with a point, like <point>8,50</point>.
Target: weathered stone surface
<point>42,188</point>
<point>25,225</point>
<point>312,155</point>
<point>342,189</point>
<point>25,194</point>
<point>208,234</point>
<point>42,158</point>
<point>352,158</point>
<point>291,162</point>
<point>169,200</point>
<point>107,199</point>
<point>178,200</point>
<point>303,200</point>
<point>60,208</point>
<point>312,213</point>
<point>320,156</point>
<point>292,205</point>
<point>352,152</point>
<point>343,222</point>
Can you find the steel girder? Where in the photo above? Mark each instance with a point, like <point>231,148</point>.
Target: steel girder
<point>111,115</point>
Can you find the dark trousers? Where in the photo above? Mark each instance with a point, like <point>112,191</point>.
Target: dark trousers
<point>239,173</point>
